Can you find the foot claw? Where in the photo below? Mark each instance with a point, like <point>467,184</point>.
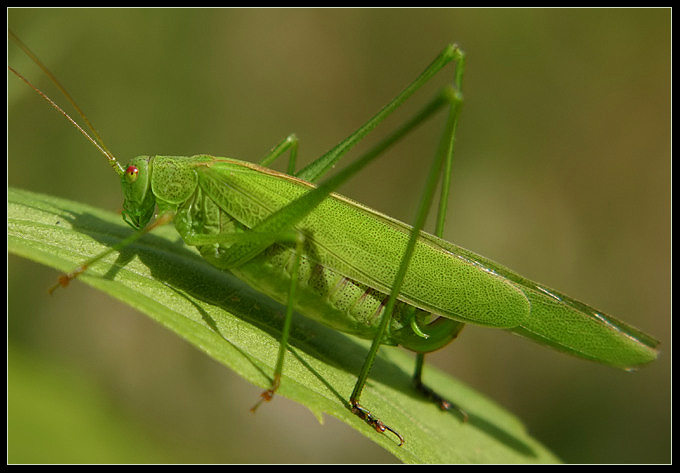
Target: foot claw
<point>267,395</point>
<point>443,404</point>
<point>374,422</point>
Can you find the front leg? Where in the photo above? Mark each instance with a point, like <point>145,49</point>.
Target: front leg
<point>240,239</point>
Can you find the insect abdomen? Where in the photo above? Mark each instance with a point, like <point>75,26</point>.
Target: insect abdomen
<point>325,295</point>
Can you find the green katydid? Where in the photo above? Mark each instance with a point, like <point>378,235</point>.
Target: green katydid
<point>353,268</point>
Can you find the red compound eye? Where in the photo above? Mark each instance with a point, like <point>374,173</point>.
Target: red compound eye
<point>131,172</point>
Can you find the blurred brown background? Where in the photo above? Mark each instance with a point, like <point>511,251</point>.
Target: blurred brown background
<point>562,173</point>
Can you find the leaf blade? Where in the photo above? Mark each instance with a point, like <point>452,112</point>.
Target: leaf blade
<point>238,327</point>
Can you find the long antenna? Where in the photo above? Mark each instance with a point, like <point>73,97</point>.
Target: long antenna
<point>97,140</point>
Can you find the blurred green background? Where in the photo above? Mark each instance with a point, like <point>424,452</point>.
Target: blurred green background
<point>562,173</point>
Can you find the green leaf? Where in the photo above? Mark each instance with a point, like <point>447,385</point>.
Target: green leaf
<point>239,327</point>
